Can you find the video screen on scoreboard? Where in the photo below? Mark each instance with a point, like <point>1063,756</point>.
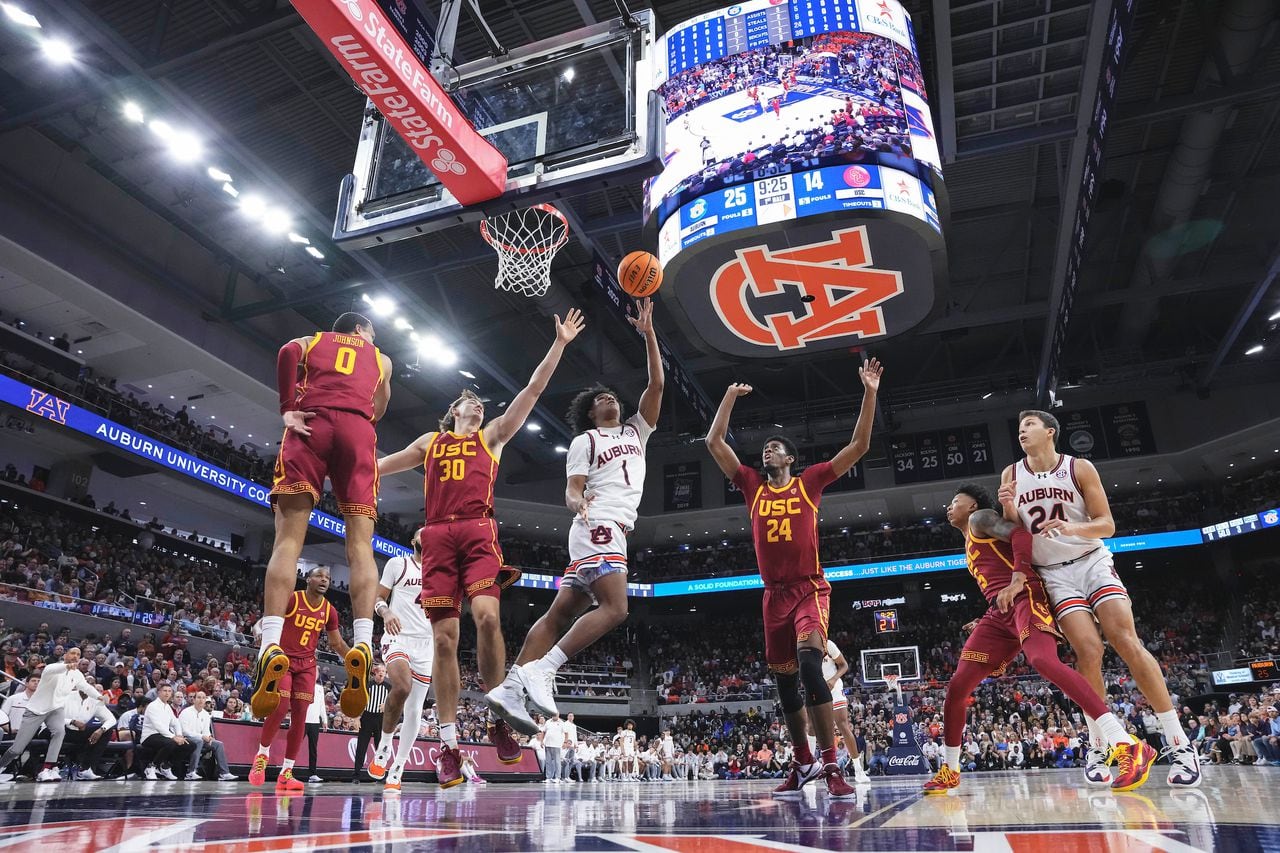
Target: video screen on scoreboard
<point>773,87</point>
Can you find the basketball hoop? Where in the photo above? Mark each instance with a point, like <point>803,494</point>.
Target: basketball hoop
<point>526,240</point>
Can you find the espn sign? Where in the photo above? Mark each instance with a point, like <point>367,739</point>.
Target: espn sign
<point>408,97</point>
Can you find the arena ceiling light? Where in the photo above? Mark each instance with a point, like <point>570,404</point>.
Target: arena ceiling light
<point>1274,317</point>
<point>560,448</point>
<point>253,206</point>
<point>531,426</point>
<point>315,253</point>
<point>161,128</point>
<point>403,325</point>
<point>295,237</point>
<point>133,112</point>
<point>276,221</point>
<point>467,373</point>
<point>59,51</point>
<point>185,147</point>
<point>218,175</point>
<point>1254,350</point>
<point>382,307</point>
<point>20,16</point>
<point>230,190</point>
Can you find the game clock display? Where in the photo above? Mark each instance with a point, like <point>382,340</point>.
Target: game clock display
<point>886,621</point>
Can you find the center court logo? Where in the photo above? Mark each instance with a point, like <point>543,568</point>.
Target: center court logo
<point>841,292</point>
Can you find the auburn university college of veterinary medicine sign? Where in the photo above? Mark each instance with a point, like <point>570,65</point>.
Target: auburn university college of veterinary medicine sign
<point>806,286</point>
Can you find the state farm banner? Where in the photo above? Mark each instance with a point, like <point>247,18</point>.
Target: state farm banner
<point>408,97</point>
<point>337,750</point>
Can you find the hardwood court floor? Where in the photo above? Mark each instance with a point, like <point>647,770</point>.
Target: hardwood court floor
<point>1236,809</point>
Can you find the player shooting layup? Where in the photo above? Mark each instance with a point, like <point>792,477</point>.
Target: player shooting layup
<point>334,386</point>
<point>1060,499</point>
<point>460,553</point>
<point>407,649</point>
<point>1019,621</point>
<point>605,468</point>
<point>309,614</point>
<point>784,527</point>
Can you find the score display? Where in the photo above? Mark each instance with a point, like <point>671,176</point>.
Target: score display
<point>830,91</point>
<point>886,621</point>
<point>928,456</point>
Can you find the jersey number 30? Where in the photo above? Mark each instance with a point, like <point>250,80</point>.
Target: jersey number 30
<point>452,469</point>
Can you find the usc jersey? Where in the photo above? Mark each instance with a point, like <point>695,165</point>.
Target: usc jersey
<point>303,625</point>
<point>460,474</point>
<point>784,522</point>
<point>339,372</point>
<point>990,563</point>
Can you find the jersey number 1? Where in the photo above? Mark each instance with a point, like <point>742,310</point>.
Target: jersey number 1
<point>345,361</point>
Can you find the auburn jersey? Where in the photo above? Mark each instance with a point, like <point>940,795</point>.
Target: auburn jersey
<point>339,372</point>
<point>1046,495</point>
<point>460,473</point>
<point>784,522</point>
<point>303,625</point>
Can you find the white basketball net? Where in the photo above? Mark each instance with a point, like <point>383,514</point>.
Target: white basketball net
<point>526,241</point>
<point>891,681</point>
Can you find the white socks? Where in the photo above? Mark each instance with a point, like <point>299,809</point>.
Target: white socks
<point>264,750</point>
<point>1110,730</point>
<point>287,765</point>
<point>272,626</point>
<point>384,742</point>
<point>1096,736</point>
<point>449,734</point>
<point>412,721</point>
<point>952,757</point>
<point>362,632</point>
<point>1171,727</point>
<point>555,658</point>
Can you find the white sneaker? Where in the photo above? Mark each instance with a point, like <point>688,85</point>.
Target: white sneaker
<point>395,774</point>
<point>230,777</point>
<point>150,773</point>
<point>314,780</point>
<point>191,777</point>
<point>89,776</point>
<point>539,683</point>
<point>1184,766</point>
<point>507,701</point>
<point>49,774</point>
<point>1096,771</point>
<point>166,773</point>
<point>1261,762</point>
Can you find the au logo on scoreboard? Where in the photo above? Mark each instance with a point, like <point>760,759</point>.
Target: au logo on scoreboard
<point>48,406</point>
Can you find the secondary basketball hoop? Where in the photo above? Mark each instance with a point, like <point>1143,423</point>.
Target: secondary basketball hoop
<point>891,681</point>
<point>526,241</point>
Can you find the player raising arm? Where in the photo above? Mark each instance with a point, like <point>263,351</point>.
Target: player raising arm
<point>1019,621</point>
<point>605,467</point>
<point>784,527</point>
<point>460,553</point>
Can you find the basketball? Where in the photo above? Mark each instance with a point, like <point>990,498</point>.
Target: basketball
<point>640,274</point>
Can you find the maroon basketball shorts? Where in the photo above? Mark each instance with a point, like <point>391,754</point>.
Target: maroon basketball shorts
<point>998,638</point>
<point>343,446</point>
<point>300,681</point>
<point>461,559</point>
<point>792,614</point>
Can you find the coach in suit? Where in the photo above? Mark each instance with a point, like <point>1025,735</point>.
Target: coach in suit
<point>371,719</point>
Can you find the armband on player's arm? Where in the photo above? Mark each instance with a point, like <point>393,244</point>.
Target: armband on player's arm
<point>287,375</point>
<point>1020,538</point>
<point>380,606</point>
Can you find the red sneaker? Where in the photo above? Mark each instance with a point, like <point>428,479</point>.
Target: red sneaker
<point>1133,762</point>
<point>286,784</point>
<point>837,788</point>
<point>944,780</point>
<point>449,768</point>
<point>258,773</point>
<point>800,775</point>
<point>504,740</point>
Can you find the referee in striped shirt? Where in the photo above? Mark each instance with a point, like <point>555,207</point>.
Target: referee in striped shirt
<point>371,719</point>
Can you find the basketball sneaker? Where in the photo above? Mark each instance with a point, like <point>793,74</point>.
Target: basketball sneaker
<point>381,760</point>
<point>272,663</point>
<point>1184,765</point>
<point>392,785</point>
<point>944,780</point>
<point>1133,761</point>
<point>258,773</point>
<point>860,776</point>
<point>1096,771</point>
<point>800,775</point>
<point>503,739</point>
<point>355,696</point>
<point>837,788</point>
<point>449,767</point>
<point>507,701</point>
<point>539,682</point>
<point>286,784</point>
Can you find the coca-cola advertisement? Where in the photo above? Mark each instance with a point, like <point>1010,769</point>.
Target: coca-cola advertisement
<point>336,753</point>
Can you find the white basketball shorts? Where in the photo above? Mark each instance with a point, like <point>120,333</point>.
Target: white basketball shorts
<point>1084,584</point>
<point>838,699</point>
<point>417,651</point>
<point>596,549</point>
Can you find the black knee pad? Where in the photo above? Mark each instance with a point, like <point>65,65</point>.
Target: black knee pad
<point>789,692</point>
<point>815,686</point>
